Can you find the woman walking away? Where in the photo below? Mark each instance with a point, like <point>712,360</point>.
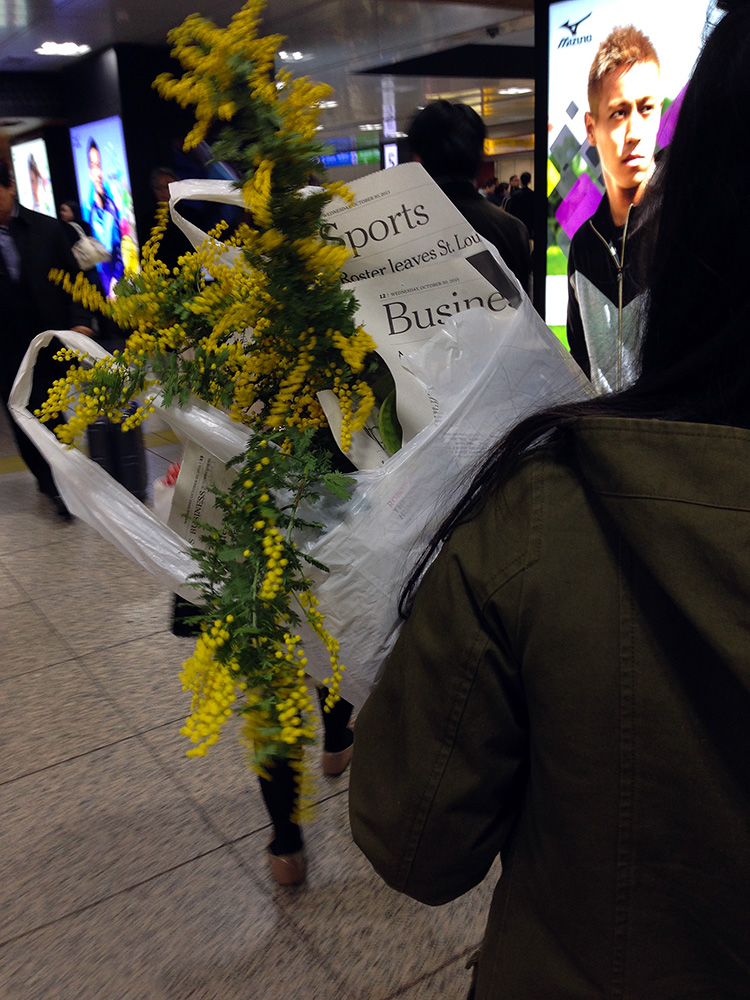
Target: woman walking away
<point>572,685</point>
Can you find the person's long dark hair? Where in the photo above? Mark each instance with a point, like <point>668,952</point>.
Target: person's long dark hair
<point>75,208</point>
<point>695,356</point>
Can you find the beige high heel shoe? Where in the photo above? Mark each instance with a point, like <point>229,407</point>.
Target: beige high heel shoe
<point>288,869</point>
<point>334,764</point>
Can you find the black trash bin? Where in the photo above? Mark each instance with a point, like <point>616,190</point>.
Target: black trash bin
<point>122,454</point>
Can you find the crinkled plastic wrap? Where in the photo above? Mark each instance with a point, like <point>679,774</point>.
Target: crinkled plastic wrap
<point>486,373</point>
<point>221,192</point>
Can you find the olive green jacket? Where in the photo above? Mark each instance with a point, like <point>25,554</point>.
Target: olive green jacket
<point>573,688</point>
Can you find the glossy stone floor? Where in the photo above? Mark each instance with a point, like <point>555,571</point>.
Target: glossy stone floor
<point>129,872</point>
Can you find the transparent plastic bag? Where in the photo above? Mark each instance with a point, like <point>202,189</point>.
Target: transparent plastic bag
<point>486,373</point>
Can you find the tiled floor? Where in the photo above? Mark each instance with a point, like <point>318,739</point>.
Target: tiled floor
<point>129,872</point>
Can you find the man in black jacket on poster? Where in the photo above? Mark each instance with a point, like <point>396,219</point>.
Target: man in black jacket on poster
<point>30,246</point>
<point>604,287</point>
<point>448,139</point>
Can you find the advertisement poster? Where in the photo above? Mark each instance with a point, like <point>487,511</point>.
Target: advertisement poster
<point>575,184</point>
<point>105,195</point>
<point>33,181</point>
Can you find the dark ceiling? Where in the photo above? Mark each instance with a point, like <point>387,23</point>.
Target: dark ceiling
<point>376,54</point>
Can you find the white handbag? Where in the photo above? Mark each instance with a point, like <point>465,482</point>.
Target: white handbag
<point>87,250</point>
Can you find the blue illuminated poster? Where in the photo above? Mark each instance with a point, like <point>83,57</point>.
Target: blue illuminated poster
<point>104,192</point>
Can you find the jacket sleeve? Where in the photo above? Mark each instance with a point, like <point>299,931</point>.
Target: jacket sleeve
<point>524,275</point>
<point>576,335</point>
<point>518,253</point>
<point>441,752</point>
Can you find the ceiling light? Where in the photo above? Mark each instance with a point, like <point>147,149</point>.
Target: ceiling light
<point>370,128</point>
<point>293,56</point>
<point>515,90</point>
<point>62,49</point>
<point>328,104</point>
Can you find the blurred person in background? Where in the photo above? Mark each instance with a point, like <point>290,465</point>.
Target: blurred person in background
<point>448,140</point>
<point>522,203</point>
<point>104,218</point>
<point>30,246</point>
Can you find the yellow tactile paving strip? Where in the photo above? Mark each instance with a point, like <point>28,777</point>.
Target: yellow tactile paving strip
<point>14,463</point>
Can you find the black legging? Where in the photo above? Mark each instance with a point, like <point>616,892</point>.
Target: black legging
<point>45,372</point>
<point>280,788</point>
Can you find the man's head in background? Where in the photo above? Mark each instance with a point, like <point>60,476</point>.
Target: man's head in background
<point>622,122</point>
<point>488,186</point>
<point>161,178</point>
<point>448,140</point>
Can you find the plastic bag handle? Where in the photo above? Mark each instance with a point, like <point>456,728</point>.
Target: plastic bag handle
<point>195,189</point>
<point>91,494</point>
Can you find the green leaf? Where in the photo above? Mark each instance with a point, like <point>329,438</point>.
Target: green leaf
<point>388,424</point>
<point>339,484</point>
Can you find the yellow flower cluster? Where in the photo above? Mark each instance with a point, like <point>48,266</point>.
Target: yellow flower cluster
<point>80,289</point>
<point>310,606</point>
<point>273,552</point>
<point>289,715</point>
<point>356,402</point>
<point>212,684</point>
<point>337,189</point>
<point>298,100</point>
<point>210,56</point>
<point>257,194</point>
<point>290,395</point>
<point>323,260</point>
<point>136,418</point>
<point>354,349</point>
<point>295,707</point>
<point>295,402</point>
<point>66,393</point>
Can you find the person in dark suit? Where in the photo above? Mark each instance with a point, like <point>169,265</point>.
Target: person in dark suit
<point>30,246</point>
<point>521,204</point>
<point>448,140</point>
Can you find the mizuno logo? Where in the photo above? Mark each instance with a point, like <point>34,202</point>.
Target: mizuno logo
<point>573,28</point>
<point>574,38</point>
